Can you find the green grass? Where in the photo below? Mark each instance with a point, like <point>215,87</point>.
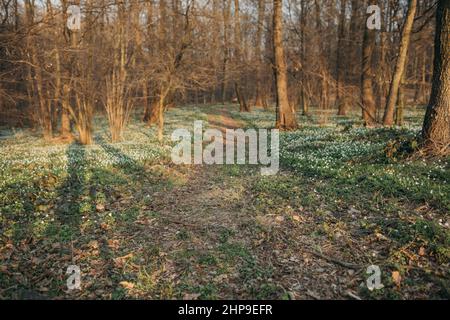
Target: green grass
<point>117,210</point>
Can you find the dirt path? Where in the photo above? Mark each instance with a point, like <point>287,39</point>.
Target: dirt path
<point>220,247</point>
<point>222,121</point>
<point>205,197</point>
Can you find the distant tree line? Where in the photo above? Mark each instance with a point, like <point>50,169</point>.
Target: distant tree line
<point>149,54</point>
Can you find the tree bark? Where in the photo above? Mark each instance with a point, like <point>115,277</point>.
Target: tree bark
<point>160,108</point>
<point>238,59</point>
<point>259,72</point>
<point>303,99</point>
<point>368,100</point>
<point>436,125</point>
<point>388,118</point>
<point>399,112</point>
<point>226,21</point>
<point>243,105</point>
<point>152,112</point>
<point>286,117</point>
<point>65,119</point>
<point>341,101</point>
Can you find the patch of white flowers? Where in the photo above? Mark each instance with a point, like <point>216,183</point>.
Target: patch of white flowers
<point>24,155</point>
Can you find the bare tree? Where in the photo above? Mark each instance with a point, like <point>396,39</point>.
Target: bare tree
<point>340,99</point>
<point>388,118</point>
<point>118,103</point>
<point>239,60</point>
<point>285,115</point>
<point>188,51</point>
<point>368,101</point>
<point>260,98</point>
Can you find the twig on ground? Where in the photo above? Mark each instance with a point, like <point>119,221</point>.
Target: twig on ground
<point>352,295</point>
<point>335,260</point>
<point>312,295</point>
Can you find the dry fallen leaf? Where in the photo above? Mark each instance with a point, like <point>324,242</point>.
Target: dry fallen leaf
<point>113,244</point>
<point>191,296</point>
<point>422,251</point>
<point>127,285</point>
<point>93,244</point>
<point>104,226</point>
<point>119,262</point>
<point>381,236</point>
<point>396,277</point>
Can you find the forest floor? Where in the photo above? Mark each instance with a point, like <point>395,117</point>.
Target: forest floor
<point>346,197</point>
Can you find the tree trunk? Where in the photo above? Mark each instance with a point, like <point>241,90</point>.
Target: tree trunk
<point>145,101</point>
<point>160,118</point>
<point>238,59</point>
<point>423,80</point>
<point>160,108</point>
<point>259,72</point>
<point>65,124</point>
<point>342,108</point>
<point>85,135</point>
<point>388,118</point>
<point>65,119</point>
<point>226,21</point>
<point>368,101</point>
<point>401,102</point>
<point>436,125</point>
<point>243,106</point>
<point>44,112</point>
<point>285,117</point>
<point>303,98</point>
<point>152,114</point>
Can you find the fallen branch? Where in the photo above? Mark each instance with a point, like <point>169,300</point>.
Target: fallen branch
<point>368,112</point>
<point>352,295</point>
<point>312,295</point>
<point>335,260</point>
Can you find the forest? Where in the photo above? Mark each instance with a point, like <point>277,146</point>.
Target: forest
<point>355,94</point>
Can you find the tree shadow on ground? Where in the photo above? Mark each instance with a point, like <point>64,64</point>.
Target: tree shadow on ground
<point>124,162</point>
<point>69,202</point>
<point>61,225</point>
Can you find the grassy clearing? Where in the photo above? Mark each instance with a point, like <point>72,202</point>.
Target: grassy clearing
<point>140,227</point>
<point>361,188</point>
